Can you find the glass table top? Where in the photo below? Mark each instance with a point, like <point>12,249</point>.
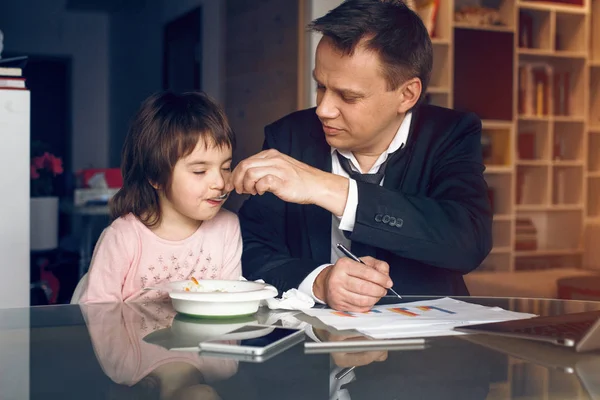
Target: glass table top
<point>147,351</point>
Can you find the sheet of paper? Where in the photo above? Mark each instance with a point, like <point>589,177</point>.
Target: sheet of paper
<point>415,318</point>
<point>430,331</point>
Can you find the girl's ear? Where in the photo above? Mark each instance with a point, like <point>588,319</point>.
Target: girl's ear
<point>154,185</point>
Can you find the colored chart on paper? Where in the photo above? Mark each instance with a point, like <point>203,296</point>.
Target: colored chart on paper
<point>343,314</point>
<point>408,313</point>
<point>353,315</point>
<point>403,311</point>
<point>429,308</point>
<point>398,310</point>
<point>435,317</point>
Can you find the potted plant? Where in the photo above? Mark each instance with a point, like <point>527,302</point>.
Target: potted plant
<point>45,167</point>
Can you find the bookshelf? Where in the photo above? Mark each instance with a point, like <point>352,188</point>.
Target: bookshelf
<point>440,85</point>
<point>550,163</point>
<point>543,123</point>
<point>592,228</point>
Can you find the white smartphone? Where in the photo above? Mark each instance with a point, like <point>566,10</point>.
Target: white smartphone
<point>273,338</point>
<point>244,357</point>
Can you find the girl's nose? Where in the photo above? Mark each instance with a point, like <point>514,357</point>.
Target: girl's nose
<point>220,180</point>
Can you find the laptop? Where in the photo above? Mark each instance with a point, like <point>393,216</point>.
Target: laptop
<point>580,331</point>
<point>584,367</point>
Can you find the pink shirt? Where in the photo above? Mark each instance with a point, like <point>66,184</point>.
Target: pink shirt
<point>129,257</point>
<point>118,330</point>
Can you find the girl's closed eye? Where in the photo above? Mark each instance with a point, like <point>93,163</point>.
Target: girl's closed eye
<point>199,172</point>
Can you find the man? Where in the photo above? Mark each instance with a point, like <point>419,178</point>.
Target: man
<point>421,219</point>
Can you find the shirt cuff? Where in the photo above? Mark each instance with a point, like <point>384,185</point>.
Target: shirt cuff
<point>306,286</point>
<point>349,217</point>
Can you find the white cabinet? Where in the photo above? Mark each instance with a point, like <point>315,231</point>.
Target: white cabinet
<point>14,198</point>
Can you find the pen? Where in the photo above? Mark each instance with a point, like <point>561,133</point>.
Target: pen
<point>352,256</point>
<point>340,375</point>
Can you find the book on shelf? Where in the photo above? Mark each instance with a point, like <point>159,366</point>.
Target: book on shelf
<point>522,89</point>
<point>427,10</point>
<point>526,146</point>
<point>535,81</point>
<point>519,191</point>
<point>561,93</point>
<point>525,30</point>
<point>542,92</point>
<point>558,147</point>
<point>12,83</point>
<point>526,235</point>
<point>528,186</point>
<point>10,71</point>
<point>477,15</point>
<point>569,2</point>
<point>560,177</point>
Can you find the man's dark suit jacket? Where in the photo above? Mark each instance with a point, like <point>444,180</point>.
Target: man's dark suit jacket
<point>430,221</point>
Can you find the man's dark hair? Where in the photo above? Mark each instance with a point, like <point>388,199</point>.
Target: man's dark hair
<point>390,28</point>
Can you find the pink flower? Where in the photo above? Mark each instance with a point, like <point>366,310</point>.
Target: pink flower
<point>55,165</point>
<point>34,172</point>
<point>38,162</point>
<point>49,162</point>
<point>43,170</point>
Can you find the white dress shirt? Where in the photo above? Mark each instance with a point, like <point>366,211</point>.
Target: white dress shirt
<point>347,220</point>
<point>335,385</point>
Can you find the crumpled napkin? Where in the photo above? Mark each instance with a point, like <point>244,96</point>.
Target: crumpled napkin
<point>293,299</point>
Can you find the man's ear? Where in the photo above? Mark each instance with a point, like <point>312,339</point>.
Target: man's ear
<point>410,92</point>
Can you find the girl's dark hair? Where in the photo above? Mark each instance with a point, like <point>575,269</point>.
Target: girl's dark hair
<point>390,29</point>
<point>166,128</point>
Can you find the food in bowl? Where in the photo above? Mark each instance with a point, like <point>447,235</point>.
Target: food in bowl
<point>195,286</point>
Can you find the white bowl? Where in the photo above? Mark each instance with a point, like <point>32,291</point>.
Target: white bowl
<point>186,332</point>
<point>217,298</point>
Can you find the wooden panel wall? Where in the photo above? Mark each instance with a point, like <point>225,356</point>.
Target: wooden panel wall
<point>261,57</point>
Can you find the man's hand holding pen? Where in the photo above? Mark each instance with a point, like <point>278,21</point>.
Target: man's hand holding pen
<point>352,286</point>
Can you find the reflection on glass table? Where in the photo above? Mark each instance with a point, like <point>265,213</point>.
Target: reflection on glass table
<point>104,351</point>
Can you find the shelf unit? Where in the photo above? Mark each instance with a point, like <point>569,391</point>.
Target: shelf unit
<point>591,257</point>
<point>543,166</point>
<point>440,87</point>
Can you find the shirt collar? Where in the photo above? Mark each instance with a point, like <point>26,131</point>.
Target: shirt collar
<point>398,141</point>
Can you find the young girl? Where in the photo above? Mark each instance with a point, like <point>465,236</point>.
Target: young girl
<point>169,224</point>
<point>125,338</point>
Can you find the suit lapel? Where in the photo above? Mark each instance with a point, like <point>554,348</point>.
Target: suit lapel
<point>318,220</point>
<point>396,167</point>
